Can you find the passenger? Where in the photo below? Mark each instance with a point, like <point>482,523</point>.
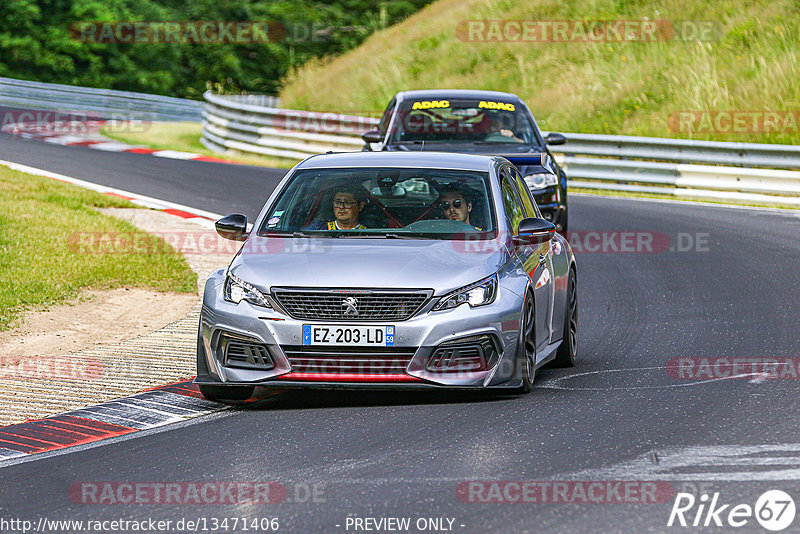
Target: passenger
<point>455,206</point>
<point>348,202</point>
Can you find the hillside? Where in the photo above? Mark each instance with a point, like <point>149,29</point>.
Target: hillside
<point>723,86</point>
<point>181,47</point>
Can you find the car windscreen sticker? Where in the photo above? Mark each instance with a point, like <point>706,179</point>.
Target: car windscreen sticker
<point>496,105</point>
<point>274,221</point>
<point>431,104</point>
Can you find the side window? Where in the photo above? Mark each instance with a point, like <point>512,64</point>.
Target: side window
<point>513,206</point>
<point>383,125</point>
<point>531,209</point>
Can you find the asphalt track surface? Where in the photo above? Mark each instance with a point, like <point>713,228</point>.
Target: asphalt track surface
<point>617,416</point>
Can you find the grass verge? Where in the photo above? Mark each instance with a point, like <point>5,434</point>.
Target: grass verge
<point>745,59</point>
<point>184,137</point>
<point>41,219</point>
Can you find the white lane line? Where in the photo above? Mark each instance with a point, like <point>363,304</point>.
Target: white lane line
<point>556,383</point>
<point>8,453</point>
<point>714,462</point>
<point>174,154</point>
<point>142,200</point>
<point>113,146</point>
<point>66,140</point>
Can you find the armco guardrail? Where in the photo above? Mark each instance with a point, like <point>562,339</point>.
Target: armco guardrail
<point>236,123</point>
<point>108,104</point>
<point>750,172</point>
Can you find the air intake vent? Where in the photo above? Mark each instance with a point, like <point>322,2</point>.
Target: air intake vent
<point>354,361</point>
<point>247,355</point>
<point>467,355</point>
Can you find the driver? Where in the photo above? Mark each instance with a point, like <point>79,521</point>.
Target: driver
<point>455,206</point>
<point>348,202</point>
<point>499,131</point>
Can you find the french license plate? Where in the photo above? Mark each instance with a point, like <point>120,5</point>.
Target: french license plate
<point>353,336</point>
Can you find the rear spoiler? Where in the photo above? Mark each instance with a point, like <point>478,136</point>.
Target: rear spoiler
<point>541,160</point>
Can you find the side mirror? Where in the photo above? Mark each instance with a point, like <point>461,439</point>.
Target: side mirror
<point>232,227</point>
<point>372,136</point>
<point>533,230</point>
<point>555,139</point>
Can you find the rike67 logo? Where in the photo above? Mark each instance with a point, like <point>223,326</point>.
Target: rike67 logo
<point>774,510</point>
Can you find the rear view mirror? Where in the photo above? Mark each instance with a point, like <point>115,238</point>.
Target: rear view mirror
<point>396,191</point>
<point>232,227</point>
<point>533,230</point>
<point>555,139</point>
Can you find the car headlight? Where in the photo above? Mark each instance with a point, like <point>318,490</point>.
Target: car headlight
<point>477,294</point>
<point>540,181</point>
<point>237,290</point>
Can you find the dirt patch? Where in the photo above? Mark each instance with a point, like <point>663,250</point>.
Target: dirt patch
<point>107,344</point>
<point>97,317</point>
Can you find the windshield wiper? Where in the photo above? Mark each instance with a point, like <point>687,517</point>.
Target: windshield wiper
<point>403,236</point>
<point>382,236</point>
<point>295,233</point>
<point>425,141</point>
<point>498,143</point>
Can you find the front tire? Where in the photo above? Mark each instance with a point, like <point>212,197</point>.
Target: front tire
<point>222,393</point>
<point>565,355</point>
<point>526,351</point>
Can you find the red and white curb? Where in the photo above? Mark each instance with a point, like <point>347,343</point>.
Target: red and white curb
<point>198,216</point>
<point>149,409</point>
<point>92,139</point>
<point>153,408</point>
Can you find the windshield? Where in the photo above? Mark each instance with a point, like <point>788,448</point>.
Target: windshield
<point>462,121</point>
<point>384,202</point>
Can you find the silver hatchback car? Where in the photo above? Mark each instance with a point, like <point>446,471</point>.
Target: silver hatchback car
<point>414,270</point>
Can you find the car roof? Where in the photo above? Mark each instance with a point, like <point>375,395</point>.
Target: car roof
<point>430,160</point>
<point>468,94</point>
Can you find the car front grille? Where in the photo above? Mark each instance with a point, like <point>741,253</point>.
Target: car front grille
<point>368,361</point>
<point>354,305</point>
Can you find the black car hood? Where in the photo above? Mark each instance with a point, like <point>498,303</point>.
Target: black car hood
<point>509,150</point>
<point>494,149</point>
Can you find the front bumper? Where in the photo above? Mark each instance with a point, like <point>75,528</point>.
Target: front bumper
<point>417,339</point>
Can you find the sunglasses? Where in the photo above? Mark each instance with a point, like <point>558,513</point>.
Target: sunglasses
<point>455,203</point>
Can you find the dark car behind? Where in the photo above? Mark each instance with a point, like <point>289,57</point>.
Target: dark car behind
<point>477,122</point>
